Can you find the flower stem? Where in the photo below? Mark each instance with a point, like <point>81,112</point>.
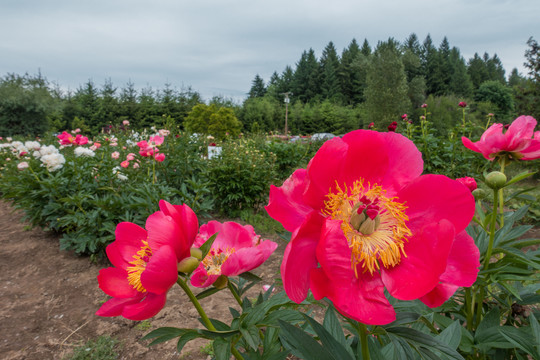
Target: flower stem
<point>492,229</point>
<point>234,293</point>
<point>502,162</point>
<point>363,332</point>
<point>236,353</point>
<point>196,303</point>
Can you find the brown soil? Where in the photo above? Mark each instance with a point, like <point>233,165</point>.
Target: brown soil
<point>49,298</point>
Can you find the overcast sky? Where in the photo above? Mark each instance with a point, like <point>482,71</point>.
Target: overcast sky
<point>218,46</point>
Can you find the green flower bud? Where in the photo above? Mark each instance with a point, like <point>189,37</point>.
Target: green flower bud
<point>221,282</point>
<point>188,264</point>
<point>196,253</point>
<point>479,194</point>
<point>496,180</point>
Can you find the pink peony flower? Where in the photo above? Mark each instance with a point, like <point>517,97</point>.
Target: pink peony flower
<point>77,130</point>
<point>404,117</point>
<point>237,249</point>
<point>135,165</point>
<point>159,157</point>
<point>80,140</point>
<point>164,132</point>
<point>462,104</point>
<point>423,106</point>
<point>124,164</point>
<point>371,125</point>
<point>363,219</point>
<point>145,262</point>
<point>519,142</point>
<point>65,138</point>
<point>113,143</point>
<point>469,182</point>
<point>115,155</point>
<point>22,165</point>
<point>125,122</point>
<point>130,156</point>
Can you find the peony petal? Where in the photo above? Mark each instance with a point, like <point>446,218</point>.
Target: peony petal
<point>322,170</point>
<point>362,299</point>
<point>521,128</point>
<point>532,152</point>
<point>439,295</point>
<point>286,204</point>
<point>426,254</point>
<point>148,307</point>
<point>201,279</point>
<point>161,271</point>
<point>206,231</point>
<point>333,252</point>
<point>300,258</point>
<point>163,230</point>
<point>128,241</point>
<point>404,162</point>
<point>115,306</point>
<point>367,158</point>
<point>185,217</point>
<point>233,235</point>
<point>114,282</point>
<point>431,198</point>
<point>463,261</point>
<point>247,259</point>
<point>243,260</point>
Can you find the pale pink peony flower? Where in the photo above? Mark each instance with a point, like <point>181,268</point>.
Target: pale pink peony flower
<point>125,122</point>
<point>124,164</point>
<point>22,165</point>
<point>130,156</point>
<point>115,155</point>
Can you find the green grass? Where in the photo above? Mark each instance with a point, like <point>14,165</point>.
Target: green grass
<point>102,348</point>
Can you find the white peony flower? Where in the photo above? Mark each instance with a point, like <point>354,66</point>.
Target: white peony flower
<point>84,152</point>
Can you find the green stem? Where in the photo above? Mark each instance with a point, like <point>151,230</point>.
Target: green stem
<point>492,229</point>
<point>501,194</point>
<point>234,293</point>
<point>32,170</point>
<point>363,332</point>
<point>196,303</point>
<point>236,353</point>
<point>469,305</point>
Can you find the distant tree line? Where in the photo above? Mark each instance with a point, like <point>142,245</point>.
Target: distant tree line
<point>333,93</point>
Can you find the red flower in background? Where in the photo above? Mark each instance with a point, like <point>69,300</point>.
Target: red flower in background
<point>237,249</point>
<point>364,219</point>
<point>145,262</point>
<point>519,142</point>
<point>462,104</point>
<point>469,182</point>
<point>392,127</point>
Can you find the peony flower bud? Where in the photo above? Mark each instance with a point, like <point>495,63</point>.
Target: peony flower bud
<point>496,180</point>
<point>479,194</point>
<point>196,253</point>
<point>187,265</point>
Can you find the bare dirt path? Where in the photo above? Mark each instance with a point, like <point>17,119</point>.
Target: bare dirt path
<point>48,299</point>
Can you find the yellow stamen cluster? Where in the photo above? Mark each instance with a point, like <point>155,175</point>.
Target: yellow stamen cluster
<point>215,258</point>
<point>140,259</point>
<point>384,246</point>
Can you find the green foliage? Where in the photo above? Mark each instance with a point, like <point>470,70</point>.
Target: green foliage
<point>499,95</point>
<point>103,348</point>
<point>213,120</point>
<point>25,105</point>
<point>240,178</point>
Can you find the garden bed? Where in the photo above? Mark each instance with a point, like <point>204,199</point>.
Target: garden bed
<point>50,296</point>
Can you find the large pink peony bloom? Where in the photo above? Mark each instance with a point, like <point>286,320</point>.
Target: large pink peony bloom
<point>363,219</point>
<point>520,141</point>
<point>66,138</point>
<point>237,249</point>
<point>145,262</point>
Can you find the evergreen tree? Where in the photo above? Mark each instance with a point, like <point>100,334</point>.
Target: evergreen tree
<point>348,77</point>
<point>413,44</point>
<point>495,69</point>
<point>460,82</point>
<point>258,89</point>
<point>306,81</point>
<point>330,85</point>
<point>477,71</point>
<point>87,99</point>
<point>366,49</point>
<point>515,78</point>
<point>386,91</point>
<point>128,102</point>
<point>108,104</point>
